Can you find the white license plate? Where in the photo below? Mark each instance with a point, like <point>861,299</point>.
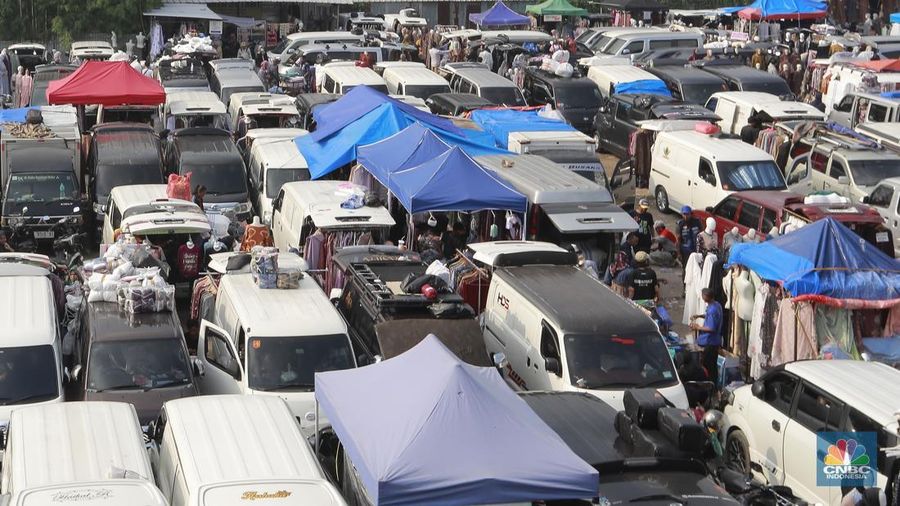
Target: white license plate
<point>44,234</point>
<point>881,237</point>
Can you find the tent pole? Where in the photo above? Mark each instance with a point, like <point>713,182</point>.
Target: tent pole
<point>796,330</point>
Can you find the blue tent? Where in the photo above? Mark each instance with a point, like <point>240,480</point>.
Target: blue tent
<point>500,122</point>
<point>425,428</point>
<point>453,182</point>
<point>364,116</point>
<point>824,261</point>
<point>643,87</point>
<point>406,149</point>
<point>499,15</point>
<point>895,17</point>
<point>780,9</point>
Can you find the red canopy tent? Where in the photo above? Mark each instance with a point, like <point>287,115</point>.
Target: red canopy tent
<point>880,65</point>
<point>107,83</point>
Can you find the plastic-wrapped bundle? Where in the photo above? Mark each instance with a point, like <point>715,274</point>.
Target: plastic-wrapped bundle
<point>289,278</point>
<point>264,267</point>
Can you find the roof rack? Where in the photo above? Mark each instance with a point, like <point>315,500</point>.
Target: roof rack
<point>378,295</point>
<point>840,140</point>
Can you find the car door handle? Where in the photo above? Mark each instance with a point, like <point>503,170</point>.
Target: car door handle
<point>776,425</point>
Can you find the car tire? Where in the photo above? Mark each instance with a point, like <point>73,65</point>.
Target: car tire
<point>662,200</point>
<point>737,452</point>
<point>599,143</point>
<point>894,495</point>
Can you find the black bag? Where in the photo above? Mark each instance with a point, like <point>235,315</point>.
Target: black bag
<point>651,443</point>
<point>623,426</point>
<point>413,284</point>
<point>681,428</point>
<point>642,405</point>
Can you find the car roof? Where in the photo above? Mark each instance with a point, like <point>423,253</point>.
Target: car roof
<point>748,98</point>
<point>313,35</point>
<point>543,181</point>
<point>718,148</point>
<point>126,144</point>
<point>484,78</point>
<point>768,198</point>
<point>685,74</point>
<point>311,100</point>
<point>321,201</point>
<point>269,108</point>
<point>275,133</point>
<point>461,99</point>
<point>128,196</point>
<point>204,140</point>
<point>871,387</point>
<point>278,153</point>
<point>353,75</point>
<point>415,75</point>
<point>27,310</point>
<point>491,252</point>
<point>659,34</point>
<point>107,322</point>
<point>741,73</point>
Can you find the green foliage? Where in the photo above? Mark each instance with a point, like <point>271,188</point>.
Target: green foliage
<point>65,20</point>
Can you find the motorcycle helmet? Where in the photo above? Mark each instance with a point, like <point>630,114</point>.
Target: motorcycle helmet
<point>712,419</point>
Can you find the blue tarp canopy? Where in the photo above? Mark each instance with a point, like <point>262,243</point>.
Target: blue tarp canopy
<point>895,17</point>
<point>364,116</point>
<point>825,261</point>
<point>453,182</point>
<point>425,428</point>
<point>499,15</point>
<point>412,146</point>
<point>499,123</point>
<point>780,9</point>
<point>643,87</point>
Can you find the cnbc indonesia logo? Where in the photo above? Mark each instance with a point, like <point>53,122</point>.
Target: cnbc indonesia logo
<point>846,460</point>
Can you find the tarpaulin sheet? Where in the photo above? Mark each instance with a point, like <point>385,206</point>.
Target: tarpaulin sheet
<point>643,87</point>
<point>107,83</point>
<point>895,17</point>
<point>781,9</point>
<point>824,260</point>
<point>454,182</point>
<point>556,8</point>
<point>425,428</point>
<point>412,146</point>
<point>500,122</point>
<point>365,116</point>
<point>499,15</point>
<point>14,115</point>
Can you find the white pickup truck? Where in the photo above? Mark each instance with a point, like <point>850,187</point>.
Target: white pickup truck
<point>405,18</point>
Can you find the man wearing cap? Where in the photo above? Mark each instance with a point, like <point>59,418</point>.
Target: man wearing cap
<point>709,333</point>
<point>645,226</point>
<point>641,282</point>
<point>687,230</point>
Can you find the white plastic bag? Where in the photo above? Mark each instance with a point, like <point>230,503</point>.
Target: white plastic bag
<point>439,270</point>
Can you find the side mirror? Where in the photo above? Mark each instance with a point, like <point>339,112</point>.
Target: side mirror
<point>553,365</point>
<point>362,360</point>
<point>499,360</point>
<point>864,199</point>
<point>843,180</point>
<point>758,389</point>
<point>197,366</point>
<point>75,373</point>
<point>151,431</point>
<point>709,209</point>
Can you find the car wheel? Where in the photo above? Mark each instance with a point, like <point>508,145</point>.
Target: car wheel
<point>737,452</point>
<point>599,143</point>
<point>894,495</point>
<point>662,199</point>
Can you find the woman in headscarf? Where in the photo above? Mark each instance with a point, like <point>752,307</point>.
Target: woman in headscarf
<point>24,88</point>
<point>4,73</point>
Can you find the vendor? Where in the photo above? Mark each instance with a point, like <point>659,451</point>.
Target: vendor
<point>709,335</point>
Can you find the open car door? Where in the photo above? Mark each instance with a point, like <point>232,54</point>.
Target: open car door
<point>222,372</point>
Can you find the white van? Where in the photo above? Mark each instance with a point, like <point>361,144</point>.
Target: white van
<point>145,209</point>
<point>699,170</point>
<point>340,77</point>
<point>736,107</point>
<point>31,363</point>
<point>273,162</point>
<point>272,342</point>
<point>238,101</point>
<point>561,329</point>
<point>290,44</point>
<point>414,80</point>
<point>227,450</point>
<point>184,109</point>
<point>302,207</point>
<point>608,76</point>
<point>573,150</point>
<point>78,453</point>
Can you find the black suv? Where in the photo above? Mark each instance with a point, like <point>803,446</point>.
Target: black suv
<point>576,98</point>
<point>619,117</point>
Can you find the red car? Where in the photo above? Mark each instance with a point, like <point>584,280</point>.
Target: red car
<point>762,210</point>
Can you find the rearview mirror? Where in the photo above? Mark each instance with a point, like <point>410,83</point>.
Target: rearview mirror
<point>710,209</point>
<point>758,389</point>
<point>843,180</point>
<point>552,365</point>
<point>499,359</point>
<point>197,366</point>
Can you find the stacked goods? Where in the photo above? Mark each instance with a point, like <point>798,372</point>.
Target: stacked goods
<point>264,266</point>
<point>651,429</point>
<point>179,187</point>
<point>27,130</point>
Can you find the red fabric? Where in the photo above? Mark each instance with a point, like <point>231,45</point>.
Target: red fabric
<point>848,303</point>
<point>189,261</point>
<point>179,187</point>
<point>107,83</point>
<point>668,235</point>
<point>879,65</point>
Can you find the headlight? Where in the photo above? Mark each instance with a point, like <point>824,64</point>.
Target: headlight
<point>98,208</point>
<point>242,208</point>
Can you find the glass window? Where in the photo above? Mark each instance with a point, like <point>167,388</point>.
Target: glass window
<point>881,196</point>
<point>42,187</point>
<point>846,104</point>
<point>757,175</point>
<point>769,219</point>
<point>219,179</point>
<point>583,97</point>
<point>111,176</point>
<point>219,354</point>
<point>290,363</point>
<point>619,361</point>
<point>837,169</point>
<point>505,95</point>
<point>871,172</point>
<point>276,178</point>
<point>706,173</point>
<point>799,172</point>
<point>750,214</point>
<point>549,343</point>
<point>817,411</point>
<point>622,111</point>
<point>818,160</point>
<point>145,364</point>
<point>727,208</point>
<point>614,47</point>
<point>27,374</point>
<point>635,47</point>
<point>661,44</point>
<point>779,392</point>
<point>878,113</point>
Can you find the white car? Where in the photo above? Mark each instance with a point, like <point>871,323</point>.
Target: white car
<point>405,18</point>
<point>771,426</point>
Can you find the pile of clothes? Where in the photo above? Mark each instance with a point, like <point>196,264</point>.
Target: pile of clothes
<point>135,290</point>
<point>189,45</point>
<point>266,273</point>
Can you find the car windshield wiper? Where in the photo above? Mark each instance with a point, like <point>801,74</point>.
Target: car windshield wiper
<point>308,386</point>
<point>7,401</point>
<point>130,386</point>
<point>658,497</point>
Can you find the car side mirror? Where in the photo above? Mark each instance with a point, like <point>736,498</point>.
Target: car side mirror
<point>864,199</point>
<point>499,360</point>
<point>843,180</point>
<point>197,366</point>
<point>75,373</point>
<point>362,360</point>
<point>758,389</point>
<point>553,365</point>
<point>710,209</point>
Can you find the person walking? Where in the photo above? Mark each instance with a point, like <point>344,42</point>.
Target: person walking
<point>642,283</point>
<point>687,230</point>
<point>645,226</point>
<point>709,336</point>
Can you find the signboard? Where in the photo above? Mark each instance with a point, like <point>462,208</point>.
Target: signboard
<point>552,17</point>
<point>215,27</point>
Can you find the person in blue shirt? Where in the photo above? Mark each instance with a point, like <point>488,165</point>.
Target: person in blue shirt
<point>686,231</point>
<point>709,335</point>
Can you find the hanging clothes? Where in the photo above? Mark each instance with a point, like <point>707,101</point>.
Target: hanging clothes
<point>759,360</point>
<point>203,297</point>
<point>256,234</point>
<point>892,326</point>
<point>795,333</point>
<point>693,304</point>
<point>834,325</point>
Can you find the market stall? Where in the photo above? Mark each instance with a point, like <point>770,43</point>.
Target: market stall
<point>499,15</point>
<point>553,11</point>
<point>426,428</point>
<point>105,83</point>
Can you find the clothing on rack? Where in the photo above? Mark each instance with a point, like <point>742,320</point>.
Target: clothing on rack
<point>693,304</point>
<point>795,333</point>
<point>834,325</point>
<point>203,297</point>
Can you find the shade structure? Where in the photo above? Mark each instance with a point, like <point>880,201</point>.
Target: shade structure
<point>634,5</point>
<point>499,15</point>
<point>825,262</point>
<point>406,149</point>
<point>556,8</point>
<point>782,9</point>
<point>183,11</point>
<point>886,65</point>
<point>107,83</point>
<point>453,182</point>
<point>365,116</point>
<point>501,122</point>
<point>425,428</point>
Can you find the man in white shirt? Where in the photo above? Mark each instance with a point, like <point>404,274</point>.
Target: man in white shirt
<point>485,58</point>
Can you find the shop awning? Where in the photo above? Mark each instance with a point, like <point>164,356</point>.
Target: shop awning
<point>183,11</point>
<point>634,5</point>
<point>107,83</point>
<point>556,8</point>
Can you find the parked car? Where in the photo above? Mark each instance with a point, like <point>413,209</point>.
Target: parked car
<point>42,76</point>
<point>91,50</point>
<point>479,80</point>
<point>688,84</point>
<point>293,42</point>
<point>763,210</point>
<point>771,425</point>
<point>856,108</point>
<point>885,199</point>
<point>147,211</point>
<point>743,78</point>
<point>413,79</point>
<point>182,74</point>
<point>406,18</point>
<point>736,107</point>
<point>341,77</point>
<point>620,117</point>
<point>575,98</point>
<point>272,164</point>
<point>456,104</point>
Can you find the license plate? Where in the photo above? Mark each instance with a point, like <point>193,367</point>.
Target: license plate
<point>44,234</point>
<point>881,237</point>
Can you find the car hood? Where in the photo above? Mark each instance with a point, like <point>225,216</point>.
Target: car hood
<point>147,403</point>
<point>663,488</point>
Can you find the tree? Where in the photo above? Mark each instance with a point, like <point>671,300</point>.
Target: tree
<point>77,17</point>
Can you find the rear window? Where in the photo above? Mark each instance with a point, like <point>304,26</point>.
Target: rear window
<point>778,88</point>
<point>507,95</point>
<point>110,176</point>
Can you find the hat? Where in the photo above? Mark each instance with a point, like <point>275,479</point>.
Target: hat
<point>644,203</point>
<point>685,209</point>
<point>641,257</point>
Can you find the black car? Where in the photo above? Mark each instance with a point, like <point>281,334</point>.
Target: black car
<point>743,78</point>
<point>620,116</point>
<point>689,84</point>
<point>576,98</point>
<point>43,74</point>
<point>585,423</point>
<point>307,103</point>
<point>456,104</point>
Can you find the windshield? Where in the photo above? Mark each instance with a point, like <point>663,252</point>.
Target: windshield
<point>699,93</point>
<point>424,91</point>
<point>108,177</point>
<point>580,97</point>
<point>614,47</point>
<point>275,179</point>
<point>43,187</point>
<point>27,374</point>
<point>600,43</point>
<point>130,115</point>
<point>281,46</point>
<point>871,172</point>
<point>759,175</point>
<point>377,87</point>
<point>779,87</point>
<point>619,361</point>
<point>218,179</point>
<point>275,120</point>
<point>279,363</point>
<point>143,364</point>
<point>507,95</point>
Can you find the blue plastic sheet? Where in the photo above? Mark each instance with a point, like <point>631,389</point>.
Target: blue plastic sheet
<point>499,123</point>
<point>406,149</point>
<point>786,8</point>
<point>14,115</point>
<point>643,87</point>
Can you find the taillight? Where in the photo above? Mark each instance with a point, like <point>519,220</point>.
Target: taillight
<point>533,223</point>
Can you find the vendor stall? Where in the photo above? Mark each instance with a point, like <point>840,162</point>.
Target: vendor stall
<point>499,15</point>
<point>106,83</point>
